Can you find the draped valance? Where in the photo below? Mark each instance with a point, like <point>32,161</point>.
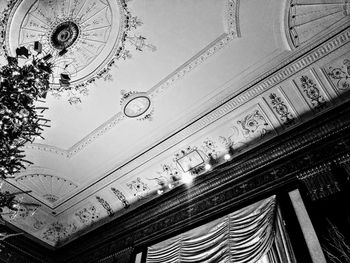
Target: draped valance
<point>240,237</point>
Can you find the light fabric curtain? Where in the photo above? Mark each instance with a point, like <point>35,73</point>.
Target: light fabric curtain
<point>240,237</point>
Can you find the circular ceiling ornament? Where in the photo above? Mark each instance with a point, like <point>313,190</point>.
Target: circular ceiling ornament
<point>85,37</point>
<point>136,105</point>
<point>64,35</point>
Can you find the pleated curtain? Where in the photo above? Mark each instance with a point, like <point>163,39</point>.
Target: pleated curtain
<point>240,237</point>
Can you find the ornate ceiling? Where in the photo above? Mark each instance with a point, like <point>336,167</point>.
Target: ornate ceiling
<point>164,85</point>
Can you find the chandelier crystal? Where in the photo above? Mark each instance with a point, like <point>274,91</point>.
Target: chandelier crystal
<point>23,81</point>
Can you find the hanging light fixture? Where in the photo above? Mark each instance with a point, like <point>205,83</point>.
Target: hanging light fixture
<point>21,85</point>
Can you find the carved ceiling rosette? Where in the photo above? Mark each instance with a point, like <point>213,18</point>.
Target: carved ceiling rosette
<point>85,37</point>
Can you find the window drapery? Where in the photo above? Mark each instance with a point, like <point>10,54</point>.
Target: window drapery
<point>240,237</point>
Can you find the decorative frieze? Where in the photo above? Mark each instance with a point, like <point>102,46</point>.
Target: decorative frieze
<point>121,197</point>
<point>338,73</point>
<point>313,93</point>
<point>282,108</point>
<point>294,155</point>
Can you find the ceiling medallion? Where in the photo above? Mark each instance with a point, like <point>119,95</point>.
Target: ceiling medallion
<point>136,105</point>
<point>64,35</point>
<point>84,37</point>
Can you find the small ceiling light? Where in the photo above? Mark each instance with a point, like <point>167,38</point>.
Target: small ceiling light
<point>207,166</point>
<point>160,191</point>
<point>230,152</point>
<point>227,156</point>
<point>187,178</point>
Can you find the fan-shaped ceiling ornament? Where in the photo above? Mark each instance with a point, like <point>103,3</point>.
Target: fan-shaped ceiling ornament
<point>48,187</point>
<point>85,37</point>
<point>308,18</point>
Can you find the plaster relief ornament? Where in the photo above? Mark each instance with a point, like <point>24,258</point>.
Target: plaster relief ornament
<point>121,197</point>
<point>282,110</point>
<point>84,37</point>
<point>312,92</point>
<point>58,231</point>
<point>50,188</point>
<point>210,148</point>
<point>307,19</point>
<point>234,140</point>
<point>138,188</point>
<point>339,74</point>
<point>38,224</point>
<point>136,105</point>
<point>190,159</point>
<point>105,205</point>
<point>87,215</point>
<point>254,125</point>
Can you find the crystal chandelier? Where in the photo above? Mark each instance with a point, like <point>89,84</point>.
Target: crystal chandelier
<point>23,81</point>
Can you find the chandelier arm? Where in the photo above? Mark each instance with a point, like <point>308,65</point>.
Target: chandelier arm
<point>4,236</point>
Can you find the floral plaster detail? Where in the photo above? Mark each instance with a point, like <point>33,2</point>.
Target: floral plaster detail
<point>168,174</point>
<point>140,43</point>
<point>87,215</point>
<point>312,92</point>
<point>254,124</point>
<point>138,188</point>
<point>4,14</point>
<point>121,197</point>
<point>282,110</point>
<point>26,211</point>
<point>38,224</point>
<point>169,170</point>
<point>58,231</point>
<point>339,74</point>
<point>105,205</point>
<point>210,148</point>
<point>184,152</point>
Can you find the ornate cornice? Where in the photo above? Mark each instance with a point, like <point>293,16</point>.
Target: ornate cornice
<point>274,165</point>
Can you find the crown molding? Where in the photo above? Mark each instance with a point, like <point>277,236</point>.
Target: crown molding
<point>275,165</point>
